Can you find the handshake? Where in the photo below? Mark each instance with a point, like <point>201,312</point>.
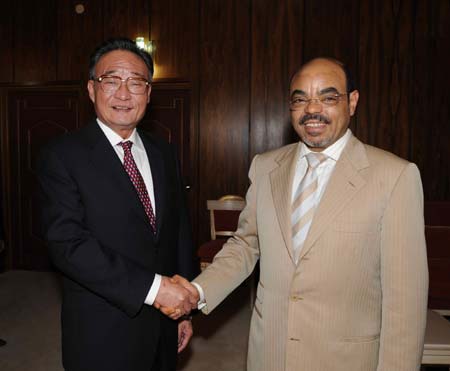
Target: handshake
<point>176,297</point>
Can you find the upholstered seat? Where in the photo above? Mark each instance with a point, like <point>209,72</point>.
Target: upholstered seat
<point>224,216</point>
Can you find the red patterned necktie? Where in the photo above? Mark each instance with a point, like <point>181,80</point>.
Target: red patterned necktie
<point>138,182</point>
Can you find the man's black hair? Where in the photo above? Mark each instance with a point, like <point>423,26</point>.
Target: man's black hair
<point>120,43</point>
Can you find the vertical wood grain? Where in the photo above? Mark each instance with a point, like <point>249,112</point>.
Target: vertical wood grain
<point>430,108</point>
<point>78,35</point>
<point>175,30</point>
<point>35,52</point>
<point>276,51</point>
<point>331,29</point>
<point>386,74</point>
<point>126,18</point>
<point>6,35</point>
<point>223,101</point>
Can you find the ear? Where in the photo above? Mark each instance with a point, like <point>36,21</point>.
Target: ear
<point>148,93</point>
<point>91,90</point>
<point>353,101</point>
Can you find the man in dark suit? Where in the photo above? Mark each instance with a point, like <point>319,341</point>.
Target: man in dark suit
<point>115,218</point>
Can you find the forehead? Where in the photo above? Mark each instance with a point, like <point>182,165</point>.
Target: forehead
<point>318,75</point>
<point>121,61</point>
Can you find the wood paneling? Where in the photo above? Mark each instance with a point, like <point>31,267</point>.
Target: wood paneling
<point>386,74</point>
<point>175,31</point>
<point>126,18</point>
<point>276,53</point>
<point>6,35</point>
<point>330,29</point>
<point>174,28</point>
<point>35,52</point>
<point>238,56</point>
<point>224,101</point>
<point>77,36</point>
<point>430,97</point>
<point>36,114</point>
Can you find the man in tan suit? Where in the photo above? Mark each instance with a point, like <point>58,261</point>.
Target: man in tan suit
<point>347,291</point>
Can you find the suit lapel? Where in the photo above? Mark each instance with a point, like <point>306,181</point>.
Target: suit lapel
<point>344,183</point>
<point>156,160</point>
<point>281,181</point>
<point>105,160</point>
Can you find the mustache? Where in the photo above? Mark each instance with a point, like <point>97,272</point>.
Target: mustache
<point>314,117</point>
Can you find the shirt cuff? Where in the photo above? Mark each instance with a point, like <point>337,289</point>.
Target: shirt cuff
<point>201,303</point>
<point>151,296</point>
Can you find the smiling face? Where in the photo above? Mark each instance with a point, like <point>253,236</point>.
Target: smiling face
<point>121,111</point>
<point>320,125</point>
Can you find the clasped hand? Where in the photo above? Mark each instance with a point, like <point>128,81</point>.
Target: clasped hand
<point>176,297</point>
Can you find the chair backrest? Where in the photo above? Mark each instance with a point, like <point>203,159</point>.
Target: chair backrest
<point>437,235</point>
<point>224,215</point>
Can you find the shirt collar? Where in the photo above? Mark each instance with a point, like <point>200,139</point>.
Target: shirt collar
<point>333,152</point>
<point>115,138</point>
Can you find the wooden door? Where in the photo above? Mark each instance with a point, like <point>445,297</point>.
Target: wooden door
<point>33,115</point>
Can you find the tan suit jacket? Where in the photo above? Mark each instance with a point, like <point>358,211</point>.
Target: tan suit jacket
<point>356,301</point>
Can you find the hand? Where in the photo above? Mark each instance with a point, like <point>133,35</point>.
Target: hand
<point>195,297</point>
<point>188,286</point>
<point>185,333</point>
<point>173,299</point>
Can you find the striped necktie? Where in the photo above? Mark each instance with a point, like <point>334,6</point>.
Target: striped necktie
<point>136,178</point>
<point>305,203</point>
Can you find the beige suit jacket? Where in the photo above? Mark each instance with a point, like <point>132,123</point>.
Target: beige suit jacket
<point>356,301</point>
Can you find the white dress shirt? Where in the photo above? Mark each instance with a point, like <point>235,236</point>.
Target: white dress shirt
<point>143,165</point>
<point>324,170</point>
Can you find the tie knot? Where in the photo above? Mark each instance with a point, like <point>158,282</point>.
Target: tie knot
<point>315,159</point>
<point>126,145</point>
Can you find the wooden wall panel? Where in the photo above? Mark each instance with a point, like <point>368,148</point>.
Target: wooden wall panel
<point>386,75</point>
<point>36,115</point>
<point>174,28</point>
<point>77,36</point>
<point>276,53</point>
<point>238,58</point>
<point>330,29</point>
<point>6,35</point>
<point>35,52</point>
<point>129,18</point>
<point>223,101</point>
<point>175,31</point>
<point>430,108</point>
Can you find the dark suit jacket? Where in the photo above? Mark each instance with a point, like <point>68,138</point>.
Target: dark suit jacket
<point>101,240</point>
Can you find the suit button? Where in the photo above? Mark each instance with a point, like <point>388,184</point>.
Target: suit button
<point>296,298</point>
<point>294,339</point>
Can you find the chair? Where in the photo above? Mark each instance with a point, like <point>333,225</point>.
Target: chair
<point>437,235</point>
<point>223,217</point>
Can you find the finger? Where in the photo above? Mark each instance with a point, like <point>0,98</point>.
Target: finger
<point>185,333</point>
<point>177,313</point>
<point>168,311</point>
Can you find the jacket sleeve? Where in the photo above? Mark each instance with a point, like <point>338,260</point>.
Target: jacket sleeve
<point>187,266</point>
<point>72,247</point>
<point>404,276</point>
<point>237,259</point>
